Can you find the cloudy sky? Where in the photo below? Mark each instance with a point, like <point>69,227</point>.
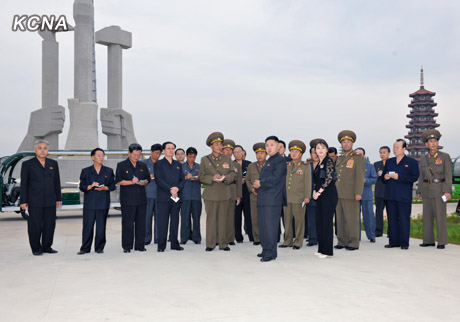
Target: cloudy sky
<point>296,69</point>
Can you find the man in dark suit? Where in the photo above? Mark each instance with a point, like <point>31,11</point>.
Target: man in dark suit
<point>400,173</point>
<point>271,197</point>
<point>245,205</point>
<point>379,191</point>
<point>170,181</point>
<point>133,176</point>
<point>40,196</point>
<point>96,182</point>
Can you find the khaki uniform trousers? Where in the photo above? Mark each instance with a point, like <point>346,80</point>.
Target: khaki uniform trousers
<point>348,228</point>
<point>231,221</point>
<point>216,223</point>
<point>434,208</point>
<point>296,211</point>
<point>255,221</point>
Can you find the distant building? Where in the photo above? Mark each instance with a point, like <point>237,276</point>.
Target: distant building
<point>422,118</point>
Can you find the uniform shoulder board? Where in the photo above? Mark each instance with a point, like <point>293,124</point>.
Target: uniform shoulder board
<point>305,162</point>
<point>289,163</point>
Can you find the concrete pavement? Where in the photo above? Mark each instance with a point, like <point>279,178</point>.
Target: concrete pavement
<point>372,284</point>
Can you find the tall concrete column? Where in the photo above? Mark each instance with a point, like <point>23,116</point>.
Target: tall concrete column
<point>83,108</point>
<point>116,123</point>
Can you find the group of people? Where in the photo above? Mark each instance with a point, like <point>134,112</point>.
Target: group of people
<point>157,195</point>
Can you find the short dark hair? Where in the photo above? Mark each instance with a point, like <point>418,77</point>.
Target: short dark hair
<point>93,152</point>
<point>385,147</point>
<point>282,142</point>
<point>180,149</point>
<point>322,142</point>
<point>155,147</point>
<point>134,147</point>
<point>361,149</point>
<point>274,138</point>
<point>191,150</point>
<point>332,150</point>
<point>404,143</point>
<point>238,146</point>
<point>163,146</point>
<point>311,149</point>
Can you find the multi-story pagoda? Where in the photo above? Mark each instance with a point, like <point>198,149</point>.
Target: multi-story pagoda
<point>422,118</point>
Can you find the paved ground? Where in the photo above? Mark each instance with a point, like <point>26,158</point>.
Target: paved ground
<point>372,284</point>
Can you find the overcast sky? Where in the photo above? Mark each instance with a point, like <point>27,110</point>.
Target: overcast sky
<point>295,69</point>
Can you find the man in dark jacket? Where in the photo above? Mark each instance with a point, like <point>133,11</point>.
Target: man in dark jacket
<point>271,197</point>
<point>170,181</point>
<point>133,176</point>
<point>40,196</point>
<point>96,182</point>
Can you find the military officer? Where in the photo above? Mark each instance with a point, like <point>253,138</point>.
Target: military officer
<point>252,175</point>
<point>350,169</point>
<point>271,190</point>
<point>217,172</point>
<point>40,196</point>
<point>236,190</point>
<point>434,186</point>
<point>298,191</point>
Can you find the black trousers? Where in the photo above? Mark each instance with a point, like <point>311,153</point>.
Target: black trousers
<point>190,211</point>
<point>168,213</point>
<point>40,227</point>
<point>379,206</point>
<point>91,216</point>
<point>269,225</point>
<point>325,210</point>
<point>243,207</point>
<point>133,227</point>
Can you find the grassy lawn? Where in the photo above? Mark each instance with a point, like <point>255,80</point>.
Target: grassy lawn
<point>453,228</point>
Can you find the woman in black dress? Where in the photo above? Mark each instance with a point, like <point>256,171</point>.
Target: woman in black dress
<point>325,194</point>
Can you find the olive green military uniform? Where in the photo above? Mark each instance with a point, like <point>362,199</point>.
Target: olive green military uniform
<point>252,174</point>
<point>216,195</point>
<point>435,180</point>
<point>236,191</point>
<point>298,188</point>
<point>350,170</point>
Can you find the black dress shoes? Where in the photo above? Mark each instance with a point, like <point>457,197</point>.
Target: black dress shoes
<point>160,250</point>
<point>231,243</point>
<point>177,248</point>
<point>351,248</point>
<point>209,249</point>
<point>426,245</point>
<point>266,259</point>
<point>296,247</point>
<point>38,253</point>
<point>283,246</point>
<point>126,250</point>
<point>372,240</point>
<point>100,251</point>
<point>50,251</point>
<point>227,249</point>
<point>260,255</point>
<point>141,249</point>
<point>391,246</point>
<point>197,243</point>
<point>256,243</point>
<point>183,243</point>
<point>338,247</point>
<point>441,246</point>
<point>311,244</point>
<point>239,241</point>
<point>82,252</point>
<point>404,247</point>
